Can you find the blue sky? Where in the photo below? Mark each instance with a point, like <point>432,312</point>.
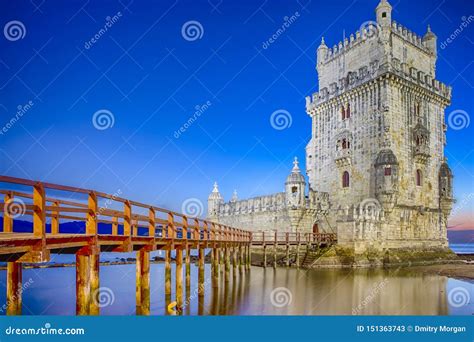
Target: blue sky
<point>144,72</point>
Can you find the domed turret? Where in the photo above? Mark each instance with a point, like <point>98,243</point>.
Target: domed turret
<point>295,187</point>
<point>322,53</point>
<point>213,202</point>
<point>383,13</point>
<point>445,179</point>
<point>430,40</point>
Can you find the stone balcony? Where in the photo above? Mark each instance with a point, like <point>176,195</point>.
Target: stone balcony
<point>343,157</point>
<point>421,153</point>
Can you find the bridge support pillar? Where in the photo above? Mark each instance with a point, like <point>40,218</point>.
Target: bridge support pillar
<point>188,270</point>
<point>94,283</point>
<point>201,272</point>
<point>142,293</point>
<point>179,278</point>
<point>241,259</point>
<point>298,255</point>
<point>215,267</point>
<point>264,255</point>
<point>287,255</point>
<point>227,263</point>
<point>14,288</point>
<point>83,284</point>
<point>249,257</point>
<point>168,271</point>
<point>274,255</point>
<point>234,262</point>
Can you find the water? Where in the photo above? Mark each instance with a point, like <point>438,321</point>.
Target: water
<point>283,291</point>
<point>462,248</point>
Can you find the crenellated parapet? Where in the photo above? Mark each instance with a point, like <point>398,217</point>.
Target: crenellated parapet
<point>356,78</point>
<point>269,203</point>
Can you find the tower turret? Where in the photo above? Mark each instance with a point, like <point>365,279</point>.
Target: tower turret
<point>322,53</point>
<point>430,41</point>
<point>295,187</point>
<point>214,202</point>
<point>383,14</point>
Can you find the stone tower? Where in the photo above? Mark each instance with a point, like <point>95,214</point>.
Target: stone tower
<point>213,202</point>
<point>378,136</point>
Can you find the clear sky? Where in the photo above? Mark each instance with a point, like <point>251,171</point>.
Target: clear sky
<point>150,74</point>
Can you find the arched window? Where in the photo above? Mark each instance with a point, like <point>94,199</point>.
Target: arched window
<point>388,171</point>
<point>345,179</point>
<point>348,111</point>
<point>419,177</point>
<point>344,143</point>
<point>343,113</point>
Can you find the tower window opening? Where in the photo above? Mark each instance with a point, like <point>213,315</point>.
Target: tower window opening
<point>419,177</point>
<point>345,179</point>
<point>343,113</point>
<point>384,14</point>
<point>348,111</point>
<point>294,189</point>
<point>388,171</point>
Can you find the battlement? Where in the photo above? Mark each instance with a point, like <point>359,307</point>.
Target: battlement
<point>409,36</point>
<point>274,202</point>
<point>355,78</point>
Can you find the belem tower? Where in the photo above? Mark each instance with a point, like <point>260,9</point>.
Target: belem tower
<point>375,164</point>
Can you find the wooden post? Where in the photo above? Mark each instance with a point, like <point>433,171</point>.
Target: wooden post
<point>168,271</point>
<point>264,255</point>
<point>241,259</point>
<point>215,266</point>
<point>135,228</point>
<point>83,285</point>
<point>94,284</point>
<point>7,217</point>
<point>227,263</point>
<point>14,288</point>
<point>39,214</point>
<point>171,232</point>
<point>234,262</point>
<point>127,219</point>
<point>275,250</point>
<point>201,272</point>
<point>297,249</point>
<point>151,222</point>
<point>187,257</point>
<point>114,225</point>
<point>179,277</point>
<point>55,219</point>
<point>249,257</point>
<point>91,217</point>
<point>142,292</point>
<point>287,250</point>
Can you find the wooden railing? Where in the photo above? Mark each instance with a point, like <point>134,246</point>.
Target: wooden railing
<point>133,216</point>
<point>292,238</point>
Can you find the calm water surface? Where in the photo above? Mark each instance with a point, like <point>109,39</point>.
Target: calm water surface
<point>260,292</point>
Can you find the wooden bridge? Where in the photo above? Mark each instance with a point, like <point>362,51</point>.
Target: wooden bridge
<point>126,226</point>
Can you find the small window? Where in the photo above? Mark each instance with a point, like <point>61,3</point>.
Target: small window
<point>343,113</point>
<point>419,177</point>
<point>388,171</point>
<point>384,14</point>
<point>348,111</point>
<point>294,189</point>
<point>345,179</point>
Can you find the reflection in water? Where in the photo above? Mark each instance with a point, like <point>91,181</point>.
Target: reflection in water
<point>311,292</point>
